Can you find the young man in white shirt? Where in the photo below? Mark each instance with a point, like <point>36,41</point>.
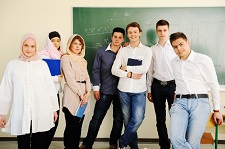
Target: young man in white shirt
<point>131,65</point>
<point>193,73</point>
<point>160,80</point>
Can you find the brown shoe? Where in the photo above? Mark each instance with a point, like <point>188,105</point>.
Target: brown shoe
<point>85,147</point>
<point>113,147</point>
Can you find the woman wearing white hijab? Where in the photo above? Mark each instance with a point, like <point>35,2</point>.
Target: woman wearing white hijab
<point>77,88</point>
<point>29,92</point>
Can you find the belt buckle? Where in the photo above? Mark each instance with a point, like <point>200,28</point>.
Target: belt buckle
<point>163,83</point>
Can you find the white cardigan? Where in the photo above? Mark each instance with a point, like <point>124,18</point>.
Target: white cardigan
<point>28,89</point>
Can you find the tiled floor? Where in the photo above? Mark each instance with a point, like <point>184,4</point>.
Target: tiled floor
<point>97,145</point>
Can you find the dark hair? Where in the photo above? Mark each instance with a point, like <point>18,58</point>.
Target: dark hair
<point>53,34</point>
<point>134,24</point>
<point>177,35</point>
<point>118,29</point>
<point>162,22</point>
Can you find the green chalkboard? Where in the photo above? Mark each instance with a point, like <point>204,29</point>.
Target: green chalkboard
<point>204,26</point>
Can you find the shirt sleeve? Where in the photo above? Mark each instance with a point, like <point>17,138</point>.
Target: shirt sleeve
<point>96,69</point>
<point>150,76</point>
<point>117,64</point>
<point>209,73</point>
<point>88,82</point>
<point>51,88</point>
<point>6,91</point>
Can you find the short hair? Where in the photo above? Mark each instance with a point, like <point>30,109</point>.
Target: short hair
<point>118,29</point>
<point>177,35</point>
<point>162,22</point>
<point>134,24</point>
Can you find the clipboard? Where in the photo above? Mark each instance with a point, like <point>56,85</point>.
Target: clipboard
<point>80,110</point>
<point>54,66</point>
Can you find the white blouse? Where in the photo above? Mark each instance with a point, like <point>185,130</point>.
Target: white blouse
<point>28,90</point>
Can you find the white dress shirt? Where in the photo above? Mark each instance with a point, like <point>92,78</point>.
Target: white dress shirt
<point>125,84</point>
<point>160,67</point>
<point>195,75</point>
<point>28,90</point>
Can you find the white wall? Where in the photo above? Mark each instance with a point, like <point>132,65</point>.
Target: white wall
<point>18,17</point>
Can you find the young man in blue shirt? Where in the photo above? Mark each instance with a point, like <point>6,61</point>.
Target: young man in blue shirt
<point>105,92</point>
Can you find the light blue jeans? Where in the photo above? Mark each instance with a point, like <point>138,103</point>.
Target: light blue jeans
<point>133,109</point>
<point>188,122</point>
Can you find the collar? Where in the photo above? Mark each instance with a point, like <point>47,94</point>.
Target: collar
<point>139,46</point>
<point>190,57</point>
<point>109,48</point>
<point>167,43</point>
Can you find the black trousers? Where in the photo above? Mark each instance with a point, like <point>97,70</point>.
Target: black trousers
<point>161,94</point>
<point>32,141</point>
<point>72,131</point>
<point>51,132</point>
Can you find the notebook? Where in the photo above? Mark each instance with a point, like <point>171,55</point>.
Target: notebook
<point>134,62</point>
<point>54,66</point>
<point>80,110</point>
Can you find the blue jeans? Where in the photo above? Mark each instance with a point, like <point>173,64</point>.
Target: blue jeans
<point>188,121</point>
<point>100,110</point>
<point>133,109</point>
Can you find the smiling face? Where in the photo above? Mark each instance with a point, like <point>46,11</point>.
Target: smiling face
<point>133,34</point>
<point>29,47</point>
<point>56,42</point>
<point>76,47</point>
<point>181,48</point>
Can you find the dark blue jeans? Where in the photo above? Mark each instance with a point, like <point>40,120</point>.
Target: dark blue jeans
<point>161,94</point>
<point>100,110</point>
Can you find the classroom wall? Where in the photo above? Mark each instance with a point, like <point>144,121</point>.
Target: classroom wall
<point>41,17</point>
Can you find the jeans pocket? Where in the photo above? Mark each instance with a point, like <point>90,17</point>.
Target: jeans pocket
<point>173,108</point>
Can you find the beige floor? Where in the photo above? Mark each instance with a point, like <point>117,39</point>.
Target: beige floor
<point>97,145</point>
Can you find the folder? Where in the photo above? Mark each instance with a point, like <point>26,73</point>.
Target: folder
<point>54,66</point>
<point>80,110</point>
<point>134,62</point>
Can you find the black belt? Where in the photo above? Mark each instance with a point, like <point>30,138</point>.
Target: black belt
<point>81,81</point>
<point>163,83</point>
<point>188,96</point>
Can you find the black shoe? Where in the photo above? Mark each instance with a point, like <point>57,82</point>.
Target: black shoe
<point>85,147</point>
<point>113,146</point>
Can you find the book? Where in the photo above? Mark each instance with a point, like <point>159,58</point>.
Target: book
<point>54,66</point>
<point>134,62</point>
<point>80,110</point>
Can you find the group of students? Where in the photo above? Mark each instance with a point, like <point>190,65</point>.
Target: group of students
<point>174,73</point>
